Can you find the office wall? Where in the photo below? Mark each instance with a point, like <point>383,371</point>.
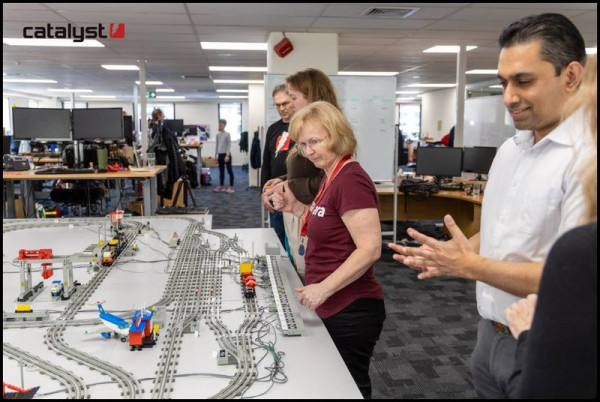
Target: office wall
<point>51,103</point>
<point>438,106</point>
<point>208,113</point>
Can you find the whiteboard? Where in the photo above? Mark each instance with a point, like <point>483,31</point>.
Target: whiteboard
<point>487,122</point>
<point>368,104</point>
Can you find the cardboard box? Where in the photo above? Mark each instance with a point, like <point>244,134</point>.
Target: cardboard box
<point>209,162</point>
<point>19,208</point>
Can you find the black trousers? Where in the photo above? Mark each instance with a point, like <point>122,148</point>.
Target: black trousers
<point>355,330</point>
<point>222,165</point>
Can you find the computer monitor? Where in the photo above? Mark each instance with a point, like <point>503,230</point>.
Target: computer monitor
<point>41,124</point>
<point>190,129</point>
<point>175,125</point>
<point>98,124</point>
<point>439,161</point>
<point>128,133</point>
<point>478,159</point>
<point>6,145</point>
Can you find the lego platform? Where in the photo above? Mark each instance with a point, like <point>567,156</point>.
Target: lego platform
<point>198,320</point>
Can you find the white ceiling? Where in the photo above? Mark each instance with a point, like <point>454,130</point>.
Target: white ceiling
<point>168,37</point>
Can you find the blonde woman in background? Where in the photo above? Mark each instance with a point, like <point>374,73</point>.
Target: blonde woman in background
<point>303,178</point>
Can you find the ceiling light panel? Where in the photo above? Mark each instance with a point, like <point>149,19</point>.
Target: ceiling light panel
<point>29,80</point>
<point>51,42</point>
<point>371,73</point>
<point>430,85</point>
<point>238,81</point>
<point>233,90</point>
<point>482,71</point>
<point>234,46</point>
<point>122,67</point>
<point>68,90</point>
<point>447,49</point>
<point>245,69</point>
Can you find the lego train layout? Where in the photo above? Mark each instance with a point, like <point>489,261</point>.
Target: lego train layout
<point>227,324</point>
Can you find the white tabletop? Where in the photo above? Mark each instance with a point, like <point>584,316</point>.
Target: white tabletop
<point>313,367</point>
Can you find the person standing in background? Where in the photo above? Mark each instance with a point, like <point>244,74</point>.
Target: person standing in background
<point>223,155</point>
<point>277,145</point>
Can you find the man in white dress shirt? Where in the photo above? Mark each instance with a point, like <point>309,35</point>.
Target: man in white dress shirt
<point>532,195</point>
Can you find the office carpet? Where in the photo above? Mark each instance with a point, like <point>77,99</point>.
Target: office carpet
<point>431,325</point>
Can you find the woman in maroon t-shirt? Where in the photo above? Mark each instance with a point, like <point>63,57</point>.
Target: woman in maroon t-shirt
<point>343,226</point>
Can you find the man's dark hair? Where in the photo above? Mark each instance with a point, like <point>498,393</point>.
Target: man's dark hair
<point>279,88</point>
<point>561,41</point>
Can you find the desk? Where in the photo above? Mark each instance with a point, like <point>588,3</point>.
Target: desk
<point>148,174</point>
<point>466,210</point>
<point>43,160</point>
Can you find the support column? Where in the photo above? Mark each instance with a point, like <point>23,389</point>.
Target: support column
<point>142,97</point>
<point>461,78</point>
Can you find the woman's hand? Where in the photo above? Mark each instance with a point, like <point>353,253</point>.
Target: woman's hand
<point>312,296</point>
<point>272,183</point>
<point>226,158</point>
<point>284,200</point>
<point>265,197</point>
<point>520,315</point>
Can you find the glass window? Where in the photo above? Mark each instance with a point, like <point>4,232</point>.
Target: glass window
<point>78,105</point>
<point>232,113</point>
<point>410,120</point>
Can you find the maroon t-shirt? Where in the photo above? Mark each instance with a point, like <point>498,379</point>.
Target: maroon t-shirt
<point>330,241</point>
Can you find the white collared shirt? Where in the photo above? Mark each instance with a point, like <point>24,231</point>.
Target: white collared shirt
<point>533,195</point>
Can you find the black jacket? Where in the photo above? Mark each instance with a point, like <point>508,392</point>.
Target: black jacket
<point>166,148</point>
<point>255,152</point>
<point>273,164</point>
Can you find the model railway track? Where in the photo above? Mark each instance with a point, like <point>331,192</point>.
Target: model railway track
<point>186,279</point>
<point>73,384</point>
<point>237,345</point>
<point>130,387</point>
<point>194,289</point>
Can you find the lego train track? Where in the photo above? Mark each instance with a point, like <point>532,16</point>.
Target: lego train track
<point>53,338</point>
<point>186,278</point>
<point>237,344</point>
<point>74,385</point>
<point>194,289</point>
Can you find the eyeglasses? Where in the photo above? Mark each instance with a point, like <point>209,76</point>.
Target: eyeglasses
<point>282,105</point>
<point>312,144</point>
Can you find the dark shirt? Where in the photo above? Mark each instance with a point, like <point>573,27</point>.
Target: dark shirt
<point>330,242</point>
<point>274,161</point>
<point>303,177</point>
<point>558,357</point>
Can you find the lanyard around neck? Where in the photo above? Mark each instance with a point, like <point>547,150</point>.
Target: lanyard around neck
<point>320,194</point>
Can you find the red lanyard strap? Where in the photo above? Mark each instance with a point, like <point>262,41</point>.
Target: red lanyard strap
<point>308,212</point>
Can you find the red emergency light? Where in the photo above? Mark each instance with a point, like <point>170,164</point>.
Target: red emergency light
<point>283,48</point>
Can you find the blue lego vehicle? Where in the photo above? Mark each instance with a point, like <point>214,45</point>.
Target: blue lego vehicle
<point>57,288</point>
